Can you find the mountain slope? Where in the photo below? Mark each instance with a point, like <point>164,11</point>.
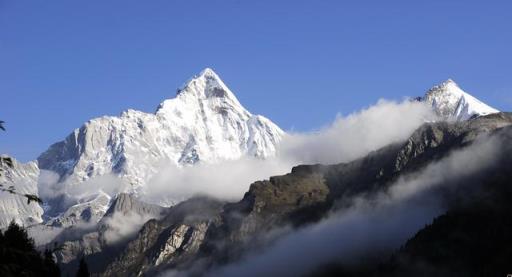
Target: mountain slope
<point>203,123</point>
<point>99,239</point>
<point>23,177</point>
<point>89,211</point>
<point>470,239</point>
<point>304,196</point>
<point>450,102</point>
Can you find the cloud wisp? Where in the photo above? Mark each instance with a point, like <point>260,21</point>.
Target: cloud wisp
<point>357,134</point>
<point>124,225</point>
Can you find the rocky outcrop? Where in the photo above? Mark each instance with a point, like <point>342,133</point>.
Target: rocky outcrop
<point>126,203</point>
<point>176,239</point>
<point>99,239</point>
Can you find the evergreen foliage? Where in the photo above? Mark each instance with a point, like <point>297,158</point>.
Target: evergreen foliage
<point>83,269</point>
<point>18,256</point>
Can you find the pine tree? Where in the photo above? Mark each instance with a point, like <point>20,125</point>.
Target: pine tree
<point>18,256</point>
<point>52,269</point>
<point>17,237</point>
<point>83,269</point>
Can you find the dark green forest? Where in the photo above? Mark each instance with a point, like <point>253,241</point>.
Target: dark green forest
<point>19,257</point>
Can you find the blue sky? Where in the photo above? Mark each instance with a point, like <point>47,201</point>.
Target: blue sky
<point>297,62</point>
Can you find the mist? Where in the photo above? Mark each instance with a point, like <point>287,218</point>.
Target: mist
<point>357,134</point>
<point>346,139</point>
<point>50,188</point>
<point>121,226</point>
<point>372,225</point>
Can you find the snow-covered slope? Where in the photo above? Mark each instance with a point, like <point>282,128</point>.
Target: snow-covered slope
<point>89,211</point>
<point>23,177</point>
<point>450,102</point>
<point>203,123</point>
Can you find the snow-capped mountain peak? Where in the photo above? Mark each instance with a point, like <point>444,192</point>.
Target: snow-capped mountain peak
<point>204,122</point>
<point>208,80</point>
<point>206,89</point>
<point>450,102</point>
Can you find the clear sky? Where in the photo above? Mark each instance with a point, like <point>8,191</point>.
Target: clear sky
<point>297,62</point>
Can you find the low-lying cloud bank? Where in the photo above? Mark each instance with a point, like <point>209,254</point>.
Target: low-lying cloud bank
<point>50,188</point>
<point>227,180</point>
<point>347,138</point>
<point>371,226</point>
<point>357,134</point>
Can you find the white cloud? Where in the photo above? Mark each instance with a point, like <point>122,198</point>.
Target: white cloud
<point>49,187</point>
<point>123,225</point>
<point>355,135</point>
<point>346,139</point>
<point>226,180</point>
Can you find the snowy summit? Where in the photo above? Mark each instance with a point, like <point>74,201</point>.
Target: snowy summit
<point>205,122</point>
<point>450,102</point>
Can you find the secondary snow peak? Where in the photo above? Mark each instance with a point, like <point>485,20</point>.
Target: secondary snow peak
<point>451,102</point>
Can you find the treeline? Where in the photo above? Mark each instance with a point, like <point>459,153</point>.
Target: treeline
<point>19,257</point>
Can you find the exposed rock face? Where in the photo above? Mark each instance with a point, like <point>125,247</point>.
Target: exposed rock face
<point>176,239</point>
<point>87,244</point>
<point>304,196</point>
<point>125,217</point>
<point>23,178</point>
<point>98,238</point>
<point>127,203</point>
<point>450,102</point>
